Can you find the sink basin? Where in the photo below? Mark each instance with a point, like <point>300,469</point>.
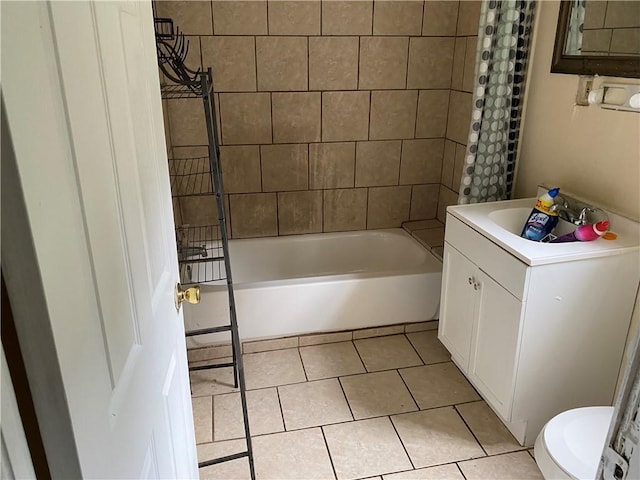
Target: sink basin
<point>502,222</point>
<point>513,220</point>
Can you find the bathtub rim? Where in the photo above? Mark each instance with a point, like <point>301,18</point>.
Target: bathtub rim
<point>430,263</point>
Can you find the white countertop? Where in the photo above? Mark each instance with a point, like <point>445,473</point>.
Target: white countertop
<point>476,216</point>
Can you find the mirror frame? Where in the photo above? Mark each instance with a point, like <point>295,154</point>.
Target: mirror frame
<point>614,66</point>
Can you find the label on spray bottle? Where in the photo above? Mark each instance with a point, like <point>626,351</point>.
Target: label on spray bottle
<point>542,219</point>
<point>539,226</point>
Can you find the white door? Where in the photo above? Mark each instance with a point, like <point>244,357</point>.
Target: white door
<point>80,85</point>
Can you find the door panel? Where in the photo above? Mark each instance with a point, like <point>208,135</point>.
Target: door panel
<point>457,305</point>
<point>128,400</point>
<point>493,359</point>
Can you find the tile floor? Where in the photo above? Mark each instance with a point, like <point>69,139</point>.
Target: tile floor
<point>389,408</point>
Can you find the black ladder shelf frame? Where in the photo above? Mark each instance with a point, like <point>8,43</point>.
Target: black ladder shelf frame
<point>172,50</point>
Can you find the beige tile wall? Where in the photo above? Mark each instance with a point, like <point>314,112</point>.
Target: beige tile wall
<point>611,28</point>
<point>334,115</point>
<point>459,106</point>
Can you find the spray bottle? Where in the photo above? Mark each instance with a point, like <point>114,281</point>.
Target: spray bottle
<point>584,233</point>
<point>542,219</point>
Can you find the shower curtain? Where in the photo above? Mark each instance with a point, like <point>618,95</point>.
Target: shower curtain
<point>501,63</point>
<point>573,45</point>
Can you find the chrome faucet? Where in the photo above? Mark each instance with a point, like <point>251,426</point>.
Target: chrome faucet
<point>565,212</point>
<point>582,216</point>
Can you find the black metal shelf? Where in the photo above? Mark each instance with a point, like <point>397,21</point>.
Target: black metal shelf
<point>190,176</point>
<point>200,254</point>
<point>170,91</point>
<point>203,251</point>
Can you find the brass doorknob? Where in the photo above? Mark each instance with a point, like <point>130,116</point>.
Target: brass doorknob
<point>191,295</point>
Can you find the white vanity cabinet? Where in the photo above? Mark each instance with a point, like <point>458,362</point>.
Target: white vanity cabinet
<point>535,336</point>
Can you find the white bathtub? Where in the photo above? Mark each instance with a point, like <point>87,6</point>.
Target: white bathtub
<point>321,282</point>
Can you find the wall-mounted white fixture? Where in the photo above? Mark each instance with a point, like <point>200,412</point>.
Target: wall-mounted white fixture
<point>616,97</point>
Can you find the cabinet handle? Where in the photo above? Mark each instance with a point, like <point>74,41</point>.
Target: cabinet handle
<point>471,281</point>
<point>476,285</point>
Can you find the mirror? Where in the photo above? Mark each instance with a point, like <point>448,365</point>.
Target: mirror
<point>598,37</point>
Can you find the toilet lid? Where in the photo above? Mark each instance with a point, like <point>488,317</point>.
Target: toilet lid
<point>575,439</point>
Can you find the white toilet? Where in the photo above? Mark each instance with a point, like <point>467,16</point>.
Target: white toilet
<point>571,443</point>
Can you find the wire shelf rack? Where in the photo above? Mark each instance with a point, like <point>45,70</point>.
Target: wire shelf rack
<point>171,91</point>
<point>203,251</point>
<point>200,254</point>
<point>190,176</point>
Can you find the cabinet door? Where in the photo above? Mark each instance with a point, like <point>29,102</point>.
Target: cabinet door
<point>494,352</point>
<point>457,305</point>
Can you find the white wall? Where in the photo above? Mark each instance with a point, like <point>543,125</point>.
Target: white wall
<point>588,151</point>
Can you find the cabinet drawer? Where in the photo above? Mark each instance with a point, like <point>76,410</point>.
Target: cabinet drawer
<point>503,267</point>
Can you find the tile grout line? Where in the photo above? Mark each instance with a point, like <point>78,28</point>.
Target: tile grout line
<point>266,12</point>
<point>455,409</point>
<point>304,370</point>
<point>213,411</point>
<point>411,393</point>
<point>406,72</point>
<point>393,425</point>
<point>364,365</point>
<point>326,444</point>
<point>413,347</point>
<point>460,470</point>
<point>284,424</point>
<point>347,399</point>
<point>339,90</point>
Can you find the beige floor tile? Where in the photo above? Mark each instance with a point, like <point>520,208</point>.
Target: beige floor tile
<point>365,448</point>
<point>319,339</point>
<point>429,347</point>
<point>377,394</point>
<point>268,369</point>
<point>518,465</point>
<point>211,382</point>
<point>202,422</point>
<point>233,470</point>
<point>438,385</point>
<point>421,326</point>
<point>331,360</point>
<point>208,353</point>
<point>386,353</point>
<point>488,429</point>
<point>268,345</point>
<point>378,331</point>
<point>441,472</point>
<point>313,404</point>
<point>264,414</point>
<point>531,453</point>
<point>292,455</point>
<point>436,436</point>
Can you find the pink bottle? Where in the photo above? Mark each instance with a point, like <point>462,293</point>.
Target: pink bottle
<point>584,233</point>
